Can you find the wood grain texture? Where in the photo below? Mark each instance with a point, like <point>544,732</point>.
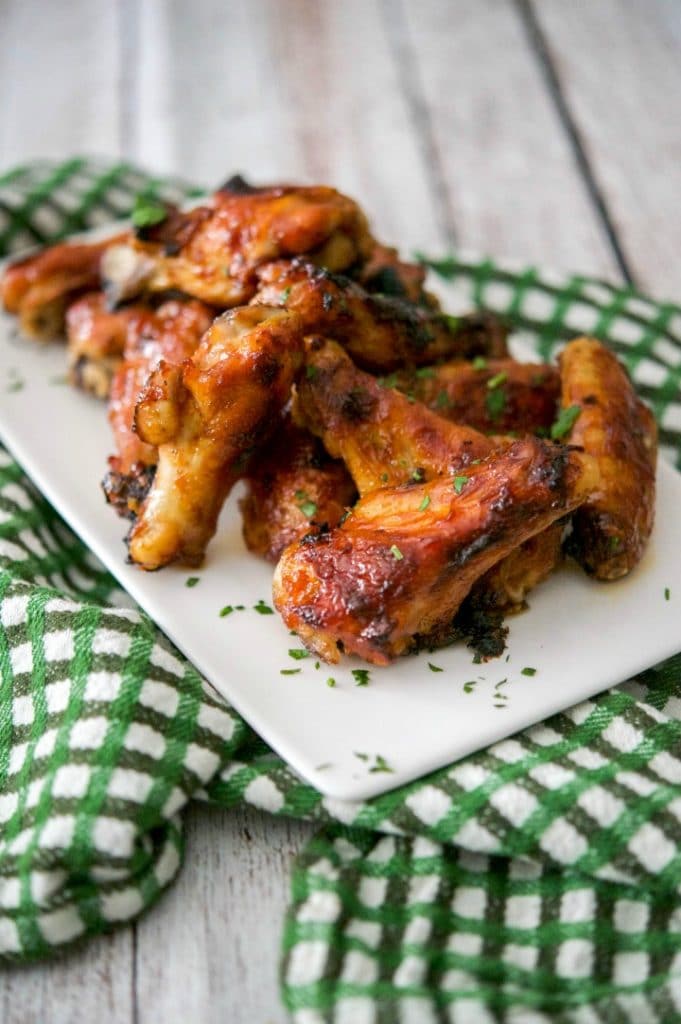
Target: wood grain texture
<point>619,66</point>
<point>210,950</point>
<point>511,181</point>
<point>59,79</point>
<point>90,983</point>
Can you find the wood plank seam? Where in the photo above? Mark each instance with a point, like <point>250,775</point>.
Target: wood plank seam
<point>547,66</point>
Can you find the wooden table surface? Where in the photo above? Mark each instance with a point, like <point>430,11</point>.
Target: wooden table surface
<point>540,130</point>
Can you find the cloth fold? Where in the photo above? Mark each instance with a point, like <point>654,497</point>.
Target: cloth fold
<point>535,881</point>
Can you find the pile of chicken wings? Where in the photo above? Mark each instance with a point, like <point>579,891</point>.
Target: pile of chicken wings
<point>405,476</point>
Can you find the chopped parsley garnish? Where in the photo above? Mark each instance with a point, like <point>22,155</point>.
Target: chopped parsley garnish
<point>388,382</point>
<point>667,593</point>
<point>442,400</point>
<point>614,543</point>
<point>469,686</point>
<point>396,553</point>
<point>331,681</point>
<point>565,422</point>
<point>316,664</point>
<point>283,296</point>
<point>262,608</point>
<point>460,482</point>
<point>361,676</point>
<point>148,211</point>
<point>424,372</point>
<point>311,372</point>
<point>239,607</point>
<point>501,705</point>
<point>477,658</point>
<point>306,506</point>
<point>496,380</point>
<point>528,671</point>
<point>227,610</point>
<point>297,653</point>
<point>381,765</point>
<point>495,403</point>
<point>479,363</point>
<point>362,757</point>
<point>384,478</point>
<point>58,381</point>
<point>191,581</point>
<point>452,322</point>
<point>417,476</point>
<point>424,504</point>
<point>289,671</point>
<point>323,767</point>
<point>434,668</point>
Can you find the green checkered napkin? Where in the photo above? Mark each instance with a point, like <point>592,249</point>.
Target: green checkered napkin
<point>536,881</point>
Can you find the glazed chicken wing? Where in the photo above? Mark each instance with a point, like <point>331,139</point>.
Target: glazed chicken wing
<point>392,577</point>
<point>382,437</point>
<point>611,529</point>
<point>171,333</point>
<point>39,287</point>
<point>213,251</point>
<point>498,395</point>
<point>381,333</point>
<point>207,417</point>
<point>386,273</point>
<point>293,487</point>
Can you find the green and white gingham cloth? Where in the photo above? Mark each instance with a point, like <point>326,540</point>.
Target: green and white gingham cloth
<point>538,880</point>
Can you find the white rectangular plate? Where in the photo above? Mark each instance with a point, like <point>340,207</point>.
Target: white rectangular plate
<point>579,636</point>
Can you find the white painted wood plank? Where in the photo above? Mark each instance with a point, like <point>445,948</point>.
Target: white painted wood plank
<point>619,63</point>
<point>513,185</point>
<point>58,79</point>
<point>91,983</point>
<point>209,952</point>
<point>301,90</point>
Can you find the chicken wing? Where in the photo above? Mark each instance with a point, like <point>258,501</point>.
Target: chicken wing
<point>386,273</point>
<point>381,333</point>
<point>382,437</point>
<point>295,486</point>
<point>213,251</point>
<point>170,333</point>
<point>39,287</point>
<point>207,416</point>
<point>392,577</point>
<point>496,395</point>
<point>611,529</point>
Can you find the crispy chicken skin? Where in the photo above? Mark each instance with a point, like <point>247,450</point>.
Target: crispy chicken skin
<point>213,251</point>
<point>294,486</point>
<point>501,395</point>
<point>394,574</point>
<point>382,437</point>
<point>611,529</point>
<point>39,287</point>
<point>171,332</point>
<point>207,416</point>
<point>381,333</point>
<point>504,587</point>
<point>386,273</point>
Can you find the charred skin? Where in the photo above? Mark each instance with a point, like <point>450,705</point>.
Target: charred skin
<point>100,339</point>
<point>212,252</point>
<point>382,437</point>
<point>385,273</point>
<point>207,417</point>
<point>294,487</point>
<point>500,397</point>
<point>392,577</point>
<point>382,333</point>
<point>612,528</point>
<point>39,287</point>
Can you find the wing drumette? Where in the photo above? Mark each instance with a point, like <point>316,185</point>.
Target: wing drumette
<point>394,574</point>
<point>213,251</point>
<point>207,416</point>
<point>612,527</point>
<point>381,333</point>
